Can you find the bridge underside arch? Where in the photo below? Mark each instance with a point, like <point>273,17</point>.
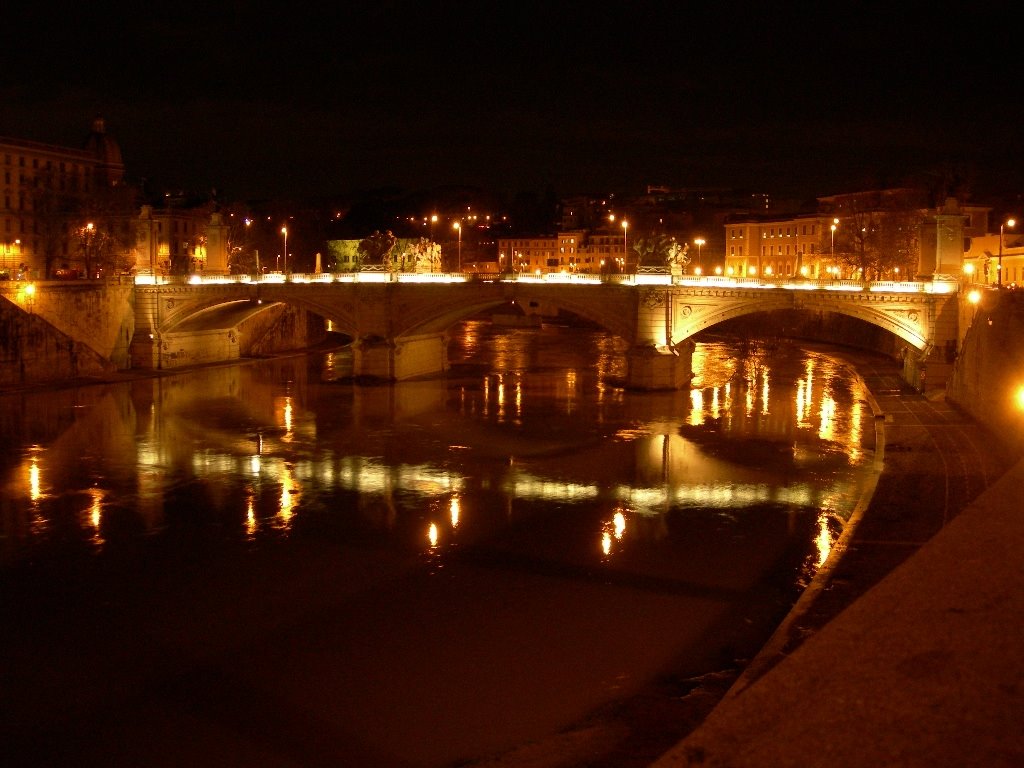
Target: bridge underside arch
<point>907,323</point>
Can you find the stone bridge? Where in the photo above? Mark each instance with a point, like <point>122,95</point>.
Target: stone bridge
<point>399,323</point>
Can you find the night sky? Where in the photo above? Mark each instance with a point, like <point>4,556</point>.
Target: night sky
<point>792,100</point>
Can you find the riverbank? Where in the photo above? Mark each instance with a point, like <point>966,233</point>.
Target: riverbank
<point>923,668</point>
<point>937,462</point>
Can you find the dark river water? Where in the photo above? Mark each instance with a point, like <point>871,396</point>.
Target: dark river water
<point>263,564</point>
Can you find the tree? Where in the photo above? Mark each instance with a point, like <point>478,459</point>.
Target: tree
<point>92,243</point>
<point>242,241</point>
<point>875,243</point>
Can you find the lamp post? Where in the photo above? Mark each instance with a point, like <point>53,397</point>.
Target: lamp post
<point>699,241</point>
<point>284,231</point>
<point>458,228</point>
<point>625,248</point>
<point>999,265</point>
<point>832,247</point>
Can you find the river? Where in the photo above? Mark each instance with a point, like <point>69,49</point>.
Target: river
<point>265,564</point>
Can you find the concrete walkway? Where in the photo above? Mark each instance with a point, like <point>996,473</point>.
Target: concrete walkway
<point>926,668</point>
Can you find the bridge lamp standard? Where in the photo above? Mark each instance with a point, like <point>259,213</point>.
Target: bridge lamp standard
<point>832,247</point>
<point>999,264</point>
<point>284,231</point>
<point>699,241</point>
<point>458,228</point>
<point>625,249</point>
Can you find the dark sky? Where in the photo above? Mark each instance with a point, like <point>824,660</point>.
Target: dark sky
<point>276,100</point>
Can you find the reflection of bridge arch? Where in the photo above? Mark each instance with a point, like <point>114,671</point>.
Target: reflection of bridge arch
<point>399,329</point>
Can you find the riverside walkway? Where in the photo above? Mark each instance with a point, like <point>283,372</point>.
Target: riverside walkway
<point>908,650</point>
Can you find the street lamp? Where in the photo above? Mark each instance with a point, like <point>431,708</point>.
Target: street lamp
<point>832,248</point>
<point>625,249</point>
<point>458,228</point>
<point>999,265</point>
<point>699,241</point>
<point>284,231</point>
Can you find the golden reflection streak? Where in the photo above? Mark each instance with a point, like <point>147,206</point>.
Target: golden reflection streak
<point>95,515</point>
<point>824,539</point>
<point>288,417</point>
<point>290,494</point>
<point>454,508</point>
<point>716,407</point>
<point>856,430</point>
<point>34,485</point>
<point>764,394</point>
<point>619,523</point>
<point>432,535</point>
<point>826,428</point>
<point>501,398</point>
<point>611,531</point>
<point>803,394</point>
<point>250,516</point>
<point>696,408</point>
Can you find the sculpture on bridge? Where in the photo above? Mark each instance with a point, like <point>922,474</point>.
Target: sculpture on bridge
<point>377,248</point>
<point>662,250</point>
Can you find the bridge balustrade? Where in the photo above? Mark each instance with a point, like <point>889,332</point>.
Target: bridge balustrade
<point>939,285</point>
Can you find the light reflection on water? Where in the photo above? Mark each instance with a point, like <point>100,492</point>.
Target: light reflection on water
<point>525,414</point>
<point>526,462</point>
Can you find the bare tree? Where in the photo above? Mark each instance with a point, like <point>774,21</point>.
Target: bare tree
<point>877,241</point>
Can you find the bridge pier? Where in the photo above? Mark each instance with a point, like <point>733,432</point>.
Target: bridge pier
<point>656,368</point>
<point>400,358</point>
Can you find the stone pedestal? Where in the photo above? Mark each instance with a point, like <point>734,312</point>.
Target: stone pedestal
<point>399,359</point>
<point>656,368</point>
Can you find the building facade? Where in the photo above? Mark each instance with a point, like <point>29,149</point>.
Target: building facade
<point>822,245</point>
<point>570,251</point>
<point>34,177</point>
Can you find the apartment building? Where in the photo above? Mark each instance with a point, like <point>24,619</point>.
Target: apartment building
<point>570,251</point>
<point>811,246</point>
<point>35,174</point>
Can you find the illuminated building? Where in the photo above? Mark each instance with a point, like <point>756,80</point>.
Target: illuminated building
<point>35,174</point>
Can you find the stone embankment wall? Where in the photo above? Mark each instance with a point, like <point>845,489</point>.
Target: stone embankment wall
<point>63,331</point>
<point>68,331</point>
<point>988,378</point>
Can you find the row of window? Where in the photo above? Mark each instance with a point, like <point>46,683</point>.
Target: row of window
<point>736,252</point>
<point>736,233</point>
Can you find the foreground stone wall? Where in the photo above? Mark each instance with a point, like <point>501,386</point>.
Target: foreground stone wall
<point>61,331</point>
<point>33,352</point>
<point>988,378</point>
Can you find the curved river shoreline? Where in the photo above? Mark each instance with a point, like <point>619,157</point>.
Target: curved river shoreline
<point>422,574</point>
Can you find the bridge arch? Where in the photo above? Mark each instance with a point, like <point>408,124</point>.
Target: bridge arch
<point>912,318</point>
